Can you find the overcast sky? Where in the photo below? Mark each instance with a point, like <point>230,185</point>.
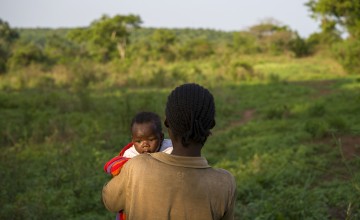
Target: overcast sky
<point>226,15</point>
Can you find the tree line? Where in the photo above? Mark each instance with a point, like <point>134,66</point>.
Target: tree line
<point>121,37</point>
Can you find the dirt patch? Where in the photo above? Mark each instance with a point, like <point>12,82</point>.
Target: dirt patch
<point>316,83</point>
<point>246,116</point>
<point>322,87</point>
<point>348,148</point>
<point>337,213</point>
<point>349,145</point>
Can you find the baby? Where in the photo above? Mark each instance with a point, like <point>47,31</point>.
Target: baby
<point>146,137</point>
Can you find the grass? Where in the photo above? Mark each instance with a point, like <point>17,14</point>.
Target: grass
<point>275,132</point>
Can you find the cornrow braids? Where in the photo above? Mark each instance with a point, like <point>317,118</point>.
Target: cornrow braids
<point>147,117</point>
<point>190,113</point>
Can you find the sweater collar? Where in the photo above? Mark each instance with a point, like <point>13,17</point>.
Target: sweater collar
<point>180,161</point>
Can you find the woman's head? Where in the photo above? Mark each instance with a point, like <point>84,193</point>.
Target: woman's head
<point>146,132</point>
<point>190,113</point>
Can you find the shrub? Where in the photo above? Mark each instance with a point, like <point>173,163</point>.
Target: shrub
<point>300,47</point>
<point>7,37</point>
<point>25,55</point>
<point>338,124</point>
<point>245,42</point>
<point>317,128</point>
<point>242,71</point>
<point>317,110</point>
<point>277,112</point>
<point>195,49</point>
<point>347,53</point>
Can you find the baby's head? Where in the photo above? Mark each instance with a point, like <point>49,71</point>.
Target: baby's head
<point>146,132</point>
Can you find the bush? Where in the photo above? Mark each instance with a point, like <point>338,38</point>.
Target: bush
<point>244,42</point>
<point>195,49</point>
<point>300,47</point>
<point>25,55</point>
<point>7,37</point>
<point>3,59</point>
<point>242,71</point>
<point>347,53</point>
<point>317,110</point>
<point>338,124</point>
<point>317,128</point>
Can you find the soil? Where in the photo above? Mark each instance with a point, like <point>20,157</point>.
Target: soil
<point>323,87</point>
<point>349,145</point>
<point>245,117</point>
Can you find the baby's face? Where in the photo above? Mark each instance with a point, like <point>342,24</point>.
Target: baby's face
<point>145,138</point>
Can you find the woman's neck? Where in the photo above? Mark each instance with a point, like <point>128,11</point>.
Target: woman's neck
<point>192,150</point>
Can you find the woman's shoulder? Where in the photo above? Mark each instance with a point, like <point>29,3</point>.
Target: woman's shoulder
<point>225,175</point>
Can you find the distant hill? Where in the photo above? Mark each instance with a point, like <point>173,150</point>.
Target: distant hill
<point>39,35</point>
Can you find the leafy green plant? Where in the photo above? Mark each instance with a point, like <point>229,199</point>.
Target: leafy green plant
<point>26,54</point>
<point>300,47</point>
<point>317,128</point>
<point>347,53</point>
<point>317,110</point>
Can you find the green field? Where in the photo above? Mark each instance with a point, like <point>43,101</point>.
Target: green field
<point>288,130</point>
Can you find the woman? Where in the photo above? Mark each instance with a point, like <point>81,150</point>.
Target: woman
<point>180,185</point>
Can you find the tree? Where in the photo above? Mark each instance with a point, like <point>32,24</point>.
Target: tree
<point>7,37</point>
<point>6,33</point>
<point>162,41</point>
<point>345,13</point>
<point>61,50</point>
<point>273,36</point>
<point>26,54</point>
<point>107,36</point>
<point>4,54</point>
<point>196,48</point>
<point>267,27</point>
<point>116,30</point>
<point>300,47</point>
<point>244,42</point>
<point>329,35</point>
<point>340,13</point>
<point>347,53</point>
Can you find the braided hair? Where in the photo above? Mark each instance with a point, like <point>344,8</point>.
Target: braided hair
<point>190,113</point>
<point>147,117</point>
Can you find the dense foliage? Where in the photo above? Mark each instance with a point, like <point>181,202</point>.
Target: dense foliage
<point>345,13</point>
<point>334,16</point>
<point>7,37</point>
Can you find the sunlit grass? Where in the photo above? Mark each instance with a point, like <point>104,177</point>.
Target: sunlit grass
<point>314,68</point>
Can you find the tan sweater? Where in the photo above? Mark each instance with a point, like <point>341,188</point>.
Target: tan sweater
<point>162,186</point>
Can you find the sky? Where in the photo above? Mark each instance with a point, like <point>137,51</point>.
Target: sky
<point>223,15</point>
